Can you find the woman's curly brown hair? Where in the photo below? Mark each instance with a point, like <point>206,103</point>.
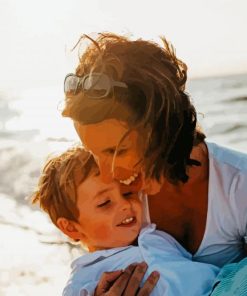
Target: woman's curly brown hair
<point>155,100</point>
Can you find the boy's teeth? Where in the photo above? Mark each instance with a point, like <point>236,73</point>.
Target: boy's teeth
<point>128,220</point>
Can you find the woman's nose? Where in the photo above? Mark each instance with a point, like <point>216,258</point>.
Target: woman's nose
<point>105,167</point>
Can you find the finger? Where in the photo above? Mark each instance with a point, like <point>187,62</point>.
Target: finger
<point>120,284</point>
<point>106,281</point>
<point>149,284</point>
<point>135,279</point>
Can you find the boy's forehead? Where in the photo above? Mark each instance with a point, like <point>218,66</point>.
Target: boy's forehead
<point>93,187</point>
<point>79,174</point>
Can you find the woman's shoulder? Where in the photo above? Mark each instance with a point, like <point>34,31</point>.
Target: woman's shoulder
<point>227,173</point>
<point>227,156</point>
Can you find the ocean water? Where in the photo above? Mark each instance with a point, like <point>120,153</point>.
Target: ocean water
<point>35,256</point>
<point>221,104</point>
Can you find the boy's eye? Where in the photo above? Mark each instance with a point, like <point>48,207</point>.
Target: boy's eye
<point>103,204</point>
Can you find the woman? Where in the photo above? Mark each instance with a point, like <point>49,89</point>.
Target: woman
<point>130,109</point>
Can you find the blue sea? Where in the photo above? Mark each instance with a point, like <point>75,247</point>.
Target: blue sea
<point>31,127</point>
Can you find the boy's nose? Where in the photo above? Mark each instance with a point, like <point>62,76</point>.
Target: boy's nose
<point>125,205</point>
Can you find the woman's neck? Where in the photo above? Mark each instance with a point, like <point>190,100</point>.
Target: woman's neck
<point>197,175</point>
<point>181,209</point>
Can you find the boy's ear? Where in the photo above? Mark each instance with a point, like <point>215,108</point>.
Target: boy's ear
<point>70,228</point>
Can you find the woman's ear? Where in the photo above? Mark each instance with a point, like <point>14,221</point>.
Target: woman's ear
<point>70,228</point>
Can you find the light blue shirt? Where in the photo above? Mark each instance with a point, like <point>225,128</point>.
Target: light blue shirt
<point>179,275</point>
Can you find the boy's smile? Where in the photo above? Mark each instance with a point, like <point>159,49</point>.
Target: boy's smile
<point>107,218</point>
<point>128,222</point>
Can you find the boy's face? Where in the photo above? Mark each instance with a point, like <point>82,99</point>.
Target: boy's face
<point>107,218</point>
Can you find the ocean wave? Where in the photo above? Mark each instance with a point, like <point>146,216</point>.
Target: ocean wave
<point>236,99</point>
<point>224,128</point>
<point>19,134</point>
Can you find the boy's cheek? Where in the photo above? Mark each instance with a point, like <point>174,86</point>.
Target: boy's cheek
<point>101,232</point>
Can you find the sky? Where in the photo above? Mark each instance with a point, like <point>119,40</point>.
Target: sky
<point>37,35</point>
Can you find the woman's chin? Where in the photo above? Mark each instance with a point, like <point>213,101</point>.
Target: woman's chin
<point>152,186</point>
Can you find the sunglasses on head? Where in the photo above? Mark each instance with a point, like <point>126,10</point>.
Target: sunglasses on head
<point>95,85</point>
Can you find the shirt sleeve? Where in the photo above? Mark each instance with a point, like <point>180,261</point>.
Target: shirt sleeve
<point>80,290</point>
<point>239,202</point>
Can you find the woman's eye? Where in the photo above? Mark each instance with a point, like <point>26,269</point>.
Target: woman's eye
<point>128,194</point>
<point>121,152</point>
<point>110,151</point>
<point>103,204</point>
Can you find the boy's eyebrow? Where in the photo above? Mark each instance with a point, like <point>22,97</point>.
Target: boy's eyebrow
<point>99,193</point>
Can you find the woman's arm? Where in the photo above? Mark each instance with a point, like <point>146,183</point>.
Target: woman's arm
<point>127,282</point>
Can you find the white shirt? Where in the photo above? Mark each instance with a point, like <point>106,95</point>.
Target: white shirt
<point>178,274</point>
<point>226,224</point>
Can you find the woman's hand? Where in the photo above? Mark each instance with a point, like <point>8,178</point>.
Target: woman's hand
<point>127,282</point>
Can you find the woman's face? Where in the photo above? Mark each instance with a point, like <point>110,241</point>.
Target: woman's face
<point>116,149</point>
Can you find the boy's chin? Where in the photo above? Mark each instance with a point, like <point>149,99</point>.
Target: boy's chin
<point>135,242</point>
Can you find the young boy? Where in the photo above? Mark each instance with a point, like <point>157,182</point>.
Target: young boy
<point>111,225</point>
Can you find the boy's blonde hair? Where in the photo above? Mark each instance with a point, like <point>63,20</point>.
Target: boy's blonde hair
<point>57,185</point>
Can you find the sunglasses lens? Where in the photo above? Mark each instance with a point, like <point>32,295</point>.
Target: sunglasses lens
<point>97,85</point>
<point>71,84</point>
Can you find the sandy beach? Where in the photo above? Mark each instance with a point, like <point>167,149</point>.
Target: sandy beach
<point>34,256</point>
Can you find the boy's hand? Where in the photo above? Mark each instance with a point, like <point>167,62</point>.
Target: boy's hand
<point>127,282</point>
